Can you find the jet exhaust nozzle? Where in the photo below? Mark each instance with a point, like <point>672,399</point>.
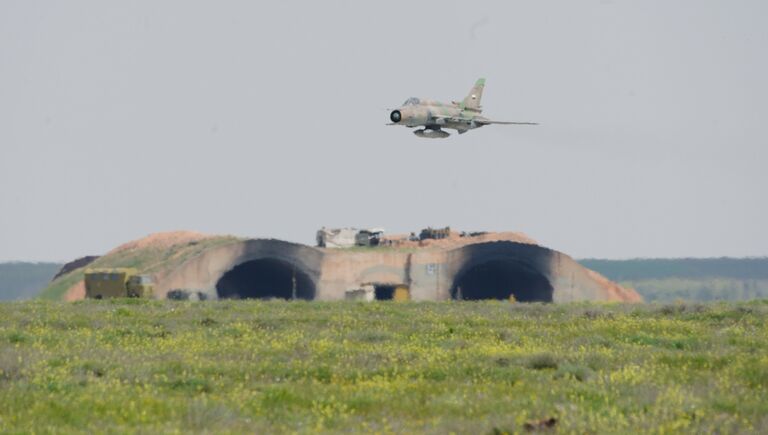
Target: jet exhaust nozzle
<point>432,133</point>
<point>396,116</point>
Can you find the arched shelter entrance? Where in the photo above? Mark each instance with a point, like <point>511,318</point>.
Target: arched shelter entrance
<point>250,269</point>
<point>501,279</point>
<point>265,278</point>
<point>502,270</point>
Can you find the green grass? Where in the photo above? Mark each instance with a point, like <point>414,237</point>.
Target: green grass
<point>275,367</point>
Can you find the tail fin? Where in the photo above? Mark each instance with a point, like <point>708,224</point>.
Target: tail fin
<point>472,101</point>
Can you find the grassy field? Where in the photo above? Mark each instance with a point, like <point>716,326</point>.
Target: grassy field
<point>274,367</point>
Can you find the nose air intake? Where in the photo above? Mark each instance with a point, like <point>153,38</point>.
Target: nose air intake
<point>395,116</point>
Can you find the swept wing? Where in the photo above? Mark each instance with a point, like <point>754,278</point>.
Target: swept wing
<point>478,120</point>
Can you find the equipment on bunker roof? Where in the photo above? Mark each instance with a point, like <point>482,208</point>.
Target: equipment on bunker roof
<point>368,237</point>
<point>336,237</point>
<point>435,233</point>
<point>348,237</point>
<point>473,233</point>
<point>118,282</point>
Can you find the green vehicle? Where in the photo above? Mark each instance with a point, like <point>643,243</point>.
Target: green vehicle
<point>117,283</point>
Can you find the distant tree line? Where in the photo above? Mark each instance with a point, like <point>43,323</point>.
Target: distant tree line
<point>657,268</point>
<point>25,280</point>
<point>699,289</point>
<point>689,279</point>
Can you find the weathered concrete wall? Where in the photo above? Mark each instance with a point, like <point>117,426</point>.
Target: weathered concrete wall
<point>430,276</point>
<point>344,270</point>
<point>204,271</point>
<point>424,272</point>
<point>430,273</point>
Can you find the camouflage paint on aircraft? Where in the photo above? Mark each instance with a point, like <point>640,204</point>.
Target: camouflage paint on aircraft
<point>434,116</point>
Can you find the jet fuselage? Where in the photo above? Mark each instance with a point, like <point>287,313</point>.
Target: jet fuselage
<point>431,113</point>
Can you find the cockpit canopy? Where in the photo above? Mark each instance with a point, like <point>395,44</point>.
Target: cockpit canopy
<point>411,101</point>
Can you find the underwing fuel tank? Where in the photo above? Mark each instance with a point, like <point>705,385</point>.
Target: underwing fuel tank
<point>431,133</point>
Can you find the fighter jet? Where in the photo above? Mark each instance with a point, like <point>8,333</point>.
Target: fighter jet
<point>434,116</point>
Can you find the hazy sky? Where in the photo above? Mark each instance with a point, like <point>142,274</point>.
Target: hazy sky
<point>119,119</point>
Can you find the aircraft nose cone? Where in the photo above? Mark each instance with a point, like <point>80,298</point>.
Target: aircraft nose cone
<point>395,116</point>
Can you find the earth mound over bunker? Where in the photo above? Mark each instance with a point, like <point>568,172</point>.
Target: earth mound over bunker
<point>460,266</point>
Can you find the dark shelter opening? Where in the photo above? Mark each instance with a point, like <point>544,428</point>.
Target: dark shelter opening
<point>384,292</point>
<point>265,278</point>
<point>499,279</point>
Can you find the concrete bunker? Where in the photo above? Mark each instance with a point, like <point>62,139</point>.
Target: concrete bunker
<point>265,278</point>
<point>486,266</point>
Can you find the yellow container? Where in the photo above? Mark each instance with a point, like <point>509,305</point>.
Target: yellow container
<point>401,293</point>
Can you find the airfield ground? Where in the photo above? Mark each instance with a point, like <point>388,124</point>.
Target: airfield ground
<point>272,367</point>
